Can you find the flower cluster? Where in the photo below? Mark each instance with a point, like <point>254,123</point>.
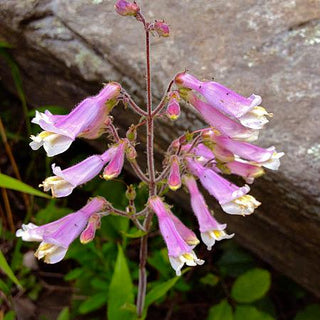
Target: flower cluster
<point>206,155</point>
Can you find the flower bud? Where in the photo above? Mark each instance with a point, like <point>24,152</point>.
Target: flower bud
<point>161,28</point>
<point>132,133</point>
<point>126,8</point>
<point>174,179</point>
<point>89,232</point>
<point>131,192</point>
<point>131,153</point>
<point>173,108</point>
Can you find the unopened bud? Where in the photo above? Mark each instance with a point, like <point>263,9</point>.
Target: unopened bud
<point>174,179</point>
<point>126,8</point>
<point>89,232</point>
<point>173,108</point>
<point>131,192</point>
<point>131,152</point>
<point>161,28</point>
<point>132,133</point>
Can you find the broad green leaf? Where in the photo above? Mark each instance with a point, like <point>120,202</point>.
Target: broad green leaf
<point>251,286</point>
<point>311,312</point>
<point>159,291</point>
<point>221,311</point>
<point>210,279</point>
<point>93,303</point>
<point>250,313</point>
<point>64,314</point>
<point>14,184</point>
<point>11,315</point>
<point>120,290</point>
<point>7,270</point>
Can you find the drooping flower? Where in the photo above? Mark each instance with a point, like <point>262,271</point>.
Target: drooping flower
<point>211,230</point>
<point>187,234</point>
<point>126,8</point>
<point>86,120</point>
<point>114,168</point>
<point>243,169</point>
<point>233,199</point>
<point>173,108</point>
<point>64,181</point>
<point>55,237</point>
<point>219,96</point>
<point>179,251</point>
<point>268,158</point>
<point>174,179</point>
<point>220,121</point>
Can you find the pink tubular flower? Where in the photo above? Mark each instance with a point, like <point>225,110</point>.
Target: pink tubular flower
<point>64,181</point>
<point>178,250</point>
<point>186,234</point>
<point>113,169</point>
<point>211,230</point>
<point>233,199</point>
<point>268,158</point>
<point>174,179</point>
<point>173,108</point>
<point>219,96</point>
<point>220,121</point>
<point>243,169</point>
<point>86,120</point>
<point>126,8</point>
<point>55,237</point>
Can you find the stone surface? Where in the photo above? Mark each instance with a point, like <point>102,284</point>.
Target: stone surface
<point>66,49</point>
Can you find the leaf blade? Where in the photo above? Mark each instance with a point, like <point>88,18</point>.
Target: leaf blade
<point>15,184</point>
<point>120,290</point>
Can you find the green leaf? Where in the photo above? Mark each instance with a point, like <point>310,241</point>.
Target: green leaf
<point>210,279</point>
<point>159,291</point>
<point>311,312</point>
<point>11,315</point>
<point>4,288</point>
<point>221,311</point>
<point>234,261</point>
<point>4,44</point>
<point>51,212</point>
<point>250,313</point>
<point>64,314</point>
<point>73,274</point>
<point>120,290</point>
<point>93,303</point>
<point>14,184</point>
<point>251,286</point>
<point>7,270</point>
<point>135,234</point>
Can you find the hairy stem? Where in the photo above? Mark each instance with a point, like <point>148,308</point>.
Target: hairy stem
<point>152,186</point>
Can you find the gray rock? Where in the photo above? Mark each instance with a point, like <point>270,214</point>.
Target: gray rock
<point>66,49</point>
